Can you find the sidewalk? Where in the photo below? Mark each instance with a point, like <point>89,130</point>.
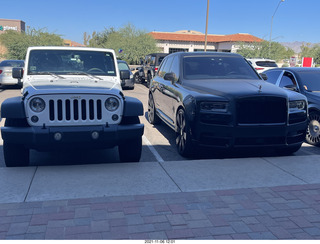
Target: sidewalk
<point>285,212</point>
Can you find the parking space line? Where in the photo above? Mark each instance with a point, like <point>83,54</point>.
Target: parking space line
<point>152,149</point>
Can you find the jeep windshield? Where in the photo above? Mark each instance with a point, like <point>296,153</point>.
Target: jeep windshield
<point>71,62</point>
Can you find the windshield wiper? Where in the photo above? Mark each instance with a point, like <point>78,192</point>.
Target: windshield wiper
<point>84,73</point>
<point>49,73</point>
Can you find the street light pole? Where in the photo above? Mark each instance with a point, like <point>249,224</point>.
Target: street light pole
<point>205,39</point>
<point>272,23</point>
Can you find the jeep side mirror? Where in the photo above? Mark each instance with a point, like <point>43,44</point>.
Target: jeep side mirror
<point>17,73</point>
<point>124,74</point>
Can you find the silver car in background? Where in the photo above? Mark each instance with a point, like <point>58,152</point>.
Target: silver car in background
<point>6,72</point>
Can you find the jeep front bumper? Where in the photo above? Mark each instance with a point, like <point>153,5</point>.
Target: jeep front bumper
<point>88,137</point>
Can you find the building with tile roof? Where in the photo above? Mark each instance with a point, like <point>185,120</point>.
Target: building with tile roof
<point>70,43</point>
<point>189,41</point>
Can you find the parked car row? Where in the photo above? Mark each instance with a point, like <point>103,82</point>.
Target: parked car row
<point>215,100</point>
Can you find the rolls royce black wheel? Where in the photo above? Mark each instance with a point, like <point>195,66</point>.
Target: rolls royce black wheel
<point>152,115</point>
<point>313,130</point>
<point>183,135</point>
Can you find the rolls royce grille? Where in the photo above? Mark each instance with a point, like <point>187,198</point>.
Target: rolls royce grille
<point>261,110</point>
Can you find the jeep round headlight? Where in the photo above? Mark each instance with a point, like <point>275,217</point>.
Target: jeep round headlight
<point>37,104</point>
<point>112,104</point>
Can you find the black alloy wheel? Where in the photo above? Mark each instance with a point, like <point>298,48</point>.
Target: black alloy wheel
<point>152,116</point>
<point>313,130</point>
<point>183,135</point>
<point>137,79</point>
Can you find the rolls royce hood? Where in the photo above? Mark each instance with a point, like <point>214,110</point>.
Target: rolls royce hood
<point>229,88</point>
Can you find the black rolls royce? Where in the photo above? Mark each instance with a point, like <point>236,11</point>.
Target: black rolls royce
<point>219,100</point>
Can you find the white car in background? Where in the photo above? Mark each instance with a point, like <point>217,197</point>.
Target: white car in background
<point>261,64</point>
<point>6,72</point>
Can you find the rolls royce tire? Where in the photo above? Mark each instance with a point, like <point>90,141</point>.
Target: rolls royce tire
<point>152,115</point>
<point>313,130</point>
<point>184,143</point>
<point>289,150</point>
<point>15,155</point>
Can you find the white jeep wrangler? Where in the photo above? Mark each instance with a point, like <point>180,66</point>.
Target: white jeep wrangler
<point>71,98</point>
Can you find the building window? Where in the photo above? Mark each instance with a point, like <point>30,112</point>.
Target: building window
<point>202,50</point>
<point>174,50</point>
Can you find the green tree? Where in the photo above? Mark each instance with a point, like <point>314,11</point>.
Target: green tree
<point>17,43</point>
<point>314,52</point>
<point>265,49</point>
<point>129,43</point>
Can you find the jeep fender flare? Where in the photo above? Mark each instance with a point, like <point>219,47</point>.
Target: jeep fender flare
<point>132,107</point>
<point>13,107</point>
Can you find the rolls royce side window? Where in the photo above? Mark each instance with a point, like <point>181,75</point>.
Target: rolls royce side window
<point>287,80</point>
<point>166,67</point>
<point>273,76</point>
<point>175,68</point>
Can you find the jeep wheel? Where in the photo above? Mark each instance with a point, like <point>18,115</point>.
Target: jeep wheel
<point>15,155</point>
<point>130,151</point>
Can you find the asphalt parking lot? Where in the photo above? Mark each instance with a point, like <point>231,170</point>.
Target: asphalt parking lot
<point>76,177</point>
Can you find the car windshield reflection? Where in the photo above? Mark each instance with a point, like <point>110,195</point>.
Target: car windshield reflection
<point>217,68</point>
<point>64,62</point>
<point>310,80</point>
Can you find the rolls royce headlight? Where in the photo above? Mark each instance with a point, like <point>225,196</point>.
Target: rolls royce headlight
<point>112,104</point>
<point>297,105</point>
<point>37,104</point>
<point>214,106</point>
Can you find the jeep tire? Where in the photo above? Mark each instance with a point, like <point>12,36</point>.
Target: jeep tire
<point>130,150</point>
<point>15,155</point>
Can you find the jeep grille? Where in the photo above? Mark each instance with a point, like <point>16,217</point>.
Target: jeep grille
<point>75,110</point>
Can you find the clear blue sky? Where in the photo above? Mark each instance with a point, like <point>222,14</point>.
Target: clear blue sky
<point>295,20</point>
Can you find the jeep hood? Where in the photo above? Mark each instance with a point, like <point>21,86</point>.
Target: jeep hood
<point>41,83</point>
